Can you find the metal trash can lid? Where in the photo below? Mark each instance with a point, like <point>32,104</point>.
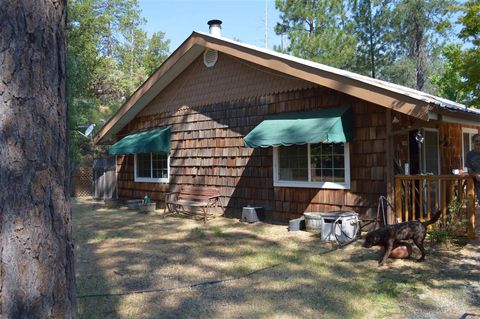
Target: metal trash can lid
<point>332,214</point>
<point>339,214</point>
<point>252,207</point>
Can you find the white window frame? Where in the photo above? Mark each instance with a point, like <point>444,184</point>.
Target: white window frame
<point>470,131</point>
<point>149,179</point>
<point>277,182</point>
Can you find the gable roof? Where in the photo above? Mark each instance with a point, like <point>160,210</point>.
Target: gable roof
<point>399,98</point>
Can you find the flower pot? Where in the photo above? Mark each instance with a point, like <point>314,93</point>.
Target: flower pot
<point>148,207</point>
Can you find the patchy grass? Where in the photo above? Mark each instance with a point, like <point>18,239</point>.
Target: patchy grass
<point>217,232</point>
<point>197,232</point>
<point>132,265</point>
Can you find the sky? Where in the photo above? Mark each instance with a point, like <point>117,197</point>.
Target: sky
<point>243,20</point>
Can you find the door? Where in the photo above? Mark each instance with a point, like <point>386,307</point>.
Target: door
<point>424,155</point>
<point>430,154</point>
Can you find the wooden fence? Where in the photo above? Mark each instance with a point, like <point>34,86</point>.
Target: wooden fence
<point>105,178</point>
<point>419,196</point>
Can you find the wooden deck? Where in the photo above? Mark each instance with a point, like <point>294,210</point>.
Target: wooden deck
<point>419,196</point>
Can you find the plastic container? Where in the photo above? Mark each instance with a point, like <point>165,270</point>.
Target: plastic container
<point>252,214</point>
<point>296,224</point>
<point>341,226</point>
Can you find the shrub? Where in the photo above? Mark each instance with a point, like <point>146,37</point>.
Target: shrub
<point>454,227</point>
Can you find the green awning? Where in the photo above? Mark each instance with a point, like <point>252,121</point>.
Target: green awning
<point>332,125</point>
<point>153,141</point>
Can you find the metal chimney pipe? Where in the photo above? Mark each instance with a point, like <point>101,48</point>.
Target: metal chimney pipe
<point>215,27</point>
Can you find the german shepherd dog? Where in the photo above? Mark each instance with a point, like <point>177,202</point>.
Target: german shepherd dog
<point>389,235</point>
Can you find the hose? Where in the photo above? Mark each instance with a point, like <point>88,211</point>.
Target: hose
<point>354,221</point>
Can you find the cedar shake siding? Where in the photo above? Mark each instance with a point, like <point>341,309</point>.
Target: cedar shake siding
<point>230,79</point>
<point>211,110</point>
<point>450,141</point>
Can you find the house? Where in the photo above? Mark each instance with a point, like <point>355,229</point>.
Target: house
<point>281,132</point>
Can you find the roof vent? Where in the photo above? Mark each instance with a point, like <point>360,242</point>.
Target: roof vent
<point>210,57</point>
<point>215,27</point>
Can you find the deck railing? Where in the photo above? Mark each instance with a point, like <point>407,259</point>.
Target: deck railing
<point>420,196</point>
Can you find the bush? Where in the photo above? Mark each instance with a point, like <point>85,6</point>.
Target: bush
<point>455,225</point>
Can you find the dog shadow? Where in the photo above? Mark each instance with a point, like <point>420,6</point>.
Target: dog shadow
<point>366,255</point>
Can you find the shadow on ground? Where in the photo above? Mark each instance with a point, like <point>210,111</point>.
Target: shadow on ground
<point>132,265</point>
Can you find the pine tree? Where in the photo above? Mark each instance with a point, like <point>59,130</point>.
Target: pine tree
<point>37,278</point>
<point>318,31</point>
<point>470,32</point>
<point>373,36</point>
<point>420,29</point>
<point>109,56</point>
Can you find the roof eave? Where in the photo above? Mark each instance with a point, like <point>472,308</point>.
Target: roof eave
<point>362,90</point>
<point>194,45</point>
<point>452,115</point>
<point>186,53</point>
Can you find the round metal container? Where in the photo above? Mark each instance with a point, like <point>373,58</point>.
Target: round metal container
<point>313,222</point>
<point>134,203</point>
<point>147,207</point>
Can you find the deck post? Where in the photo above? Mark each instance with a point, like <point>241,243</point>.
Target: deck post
<point>470,208</point>
<point>398,199</point>
<point>389,166</point>
<point>448,188</point>
<point>443,205</point>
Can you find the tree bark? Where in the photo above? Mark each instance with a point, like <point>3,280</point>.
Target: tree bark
<point>36,246</point>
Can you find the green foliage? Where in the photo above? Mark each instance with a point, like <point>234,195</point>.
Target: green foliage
<point>455,221</point>
<point>401,71</point>
<point>470,32</point>
<point>399,41</point>
<point>109,56</point>
<point>147,199</point>
<point>373,34</point>
<point>455,226</point>
<point>217,232</point>
<point>450,80</point>
<point>459,77</point>
<point>318,31</point>
<point>156,50</point>
<point>439,235</point>
<point>420,29</point>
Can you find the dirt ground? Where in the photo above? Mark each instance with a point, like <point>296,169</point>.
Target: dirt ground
<point>133,265</point>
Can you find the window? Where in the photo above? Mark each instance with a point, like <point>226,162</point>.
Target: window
<point>312,165</point>
<point>152,167</point>
<point>467,144</point>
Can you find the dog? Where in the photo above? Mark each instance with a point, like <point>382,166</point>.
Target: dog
<point>390,235</point>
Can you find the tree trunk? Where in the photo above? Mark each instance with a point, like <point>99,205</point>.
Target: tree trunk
<point>36,246</point>
<point>420,59</point>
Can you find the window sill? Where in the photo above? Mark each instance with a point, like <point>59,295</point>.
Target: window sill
<point>325,185</point>
<point>150,180</point>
